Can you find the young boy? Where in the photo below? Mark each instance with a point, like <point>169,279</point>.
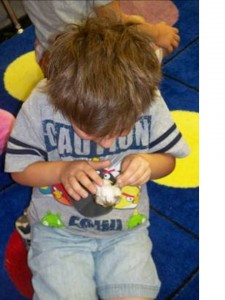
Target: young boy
<point>99,115</point>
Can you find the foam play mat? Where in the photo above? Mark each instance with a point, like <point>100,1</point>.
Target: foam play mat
<point>174,213</point>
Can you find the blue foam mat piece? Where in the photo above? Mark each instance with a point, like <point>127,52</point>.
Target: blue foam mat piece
<point>177,68</point>
<point>189,291</point>
<point>188,10</point>
<point>5,179</point>
<point>24,42</point>
<point>179,96</point>
<point>180,205</point>
<point>175,254</point>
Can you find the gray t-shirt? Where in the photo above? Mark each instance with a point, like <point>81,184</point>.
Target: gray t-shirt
<point>41,134</point>
<point>51,16</point>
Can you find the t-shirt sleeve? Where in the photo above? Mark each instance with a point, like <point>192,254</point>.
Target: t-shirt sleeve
<point>26,142</point>
<point>165,135</point>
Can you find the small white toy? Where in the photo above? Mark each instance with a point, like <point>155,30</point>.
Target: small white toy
<point>107,195</point>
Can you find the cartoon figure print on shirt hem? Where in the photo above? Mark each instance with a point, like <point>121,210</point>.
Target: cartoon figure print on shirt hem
<point>87,207</point>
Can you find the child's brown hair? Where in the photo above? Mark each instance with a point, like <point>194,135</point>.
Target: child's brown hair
<point>102,75</point>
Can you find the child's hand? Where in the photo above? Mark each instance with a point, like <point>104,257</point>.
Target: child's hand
<point>135,170</point>
<point>78,177</point>
<point>163,35</point>
<point>167,37</point>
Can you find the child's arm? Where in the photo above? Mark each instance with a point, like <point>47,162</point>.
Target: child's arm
<point>137,169</point>
<point>163,35</point>
<point>76,176</point>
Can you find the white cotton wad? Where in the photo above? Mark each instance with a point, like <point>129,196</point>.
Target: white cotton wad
<point>107,194</point>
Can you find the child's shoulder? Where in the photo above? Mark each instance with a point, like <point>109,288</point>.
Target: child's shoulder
<point>158,105</point>
<point>40,89</point>
<point>38,96</point>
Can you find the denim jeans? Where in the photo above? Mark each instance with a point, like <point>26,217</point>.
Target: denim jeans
<point>70,266</point>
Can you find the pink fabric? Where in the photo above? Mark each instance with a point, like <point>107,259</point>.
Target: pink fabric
<point>152,10</point>
<point>6,124</point>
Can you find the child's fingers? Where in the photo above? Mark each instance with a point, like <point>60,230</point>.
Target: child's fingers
<point>80,186</point>
<point>97,166</point>
<point>176,40</point>
<point>141,176</point>
<point>74,189</point>
<point>87,183</point>
<point>128,171</point>
<point>176,30</point>
<point>141,179</point>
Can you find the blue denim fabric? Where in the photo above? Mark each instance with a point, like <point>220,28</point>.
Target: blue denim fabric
<point>69,266</point>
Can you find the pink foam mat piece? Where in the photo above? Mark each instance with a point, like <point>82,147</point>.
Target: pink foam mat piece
<point>152,10</point>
